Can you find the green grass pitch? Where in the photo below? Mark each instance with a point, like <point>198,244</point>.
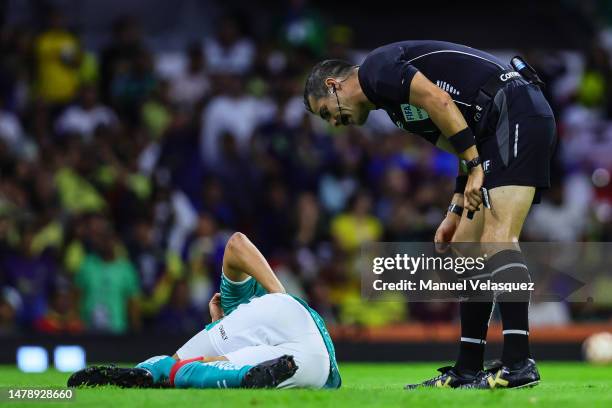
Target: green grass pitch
<point>373,385</point>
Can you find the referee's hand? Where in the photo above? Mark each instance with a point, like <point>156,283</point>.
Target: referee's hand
<point>472,197</point>
<point>445,232</point>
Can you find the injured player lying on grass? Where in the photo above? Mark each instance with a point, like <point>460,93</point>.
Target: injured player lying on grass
<point>259,337</point>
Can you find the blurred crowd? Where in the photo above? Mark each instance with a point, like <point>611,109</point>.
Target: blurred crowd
<point>123,174</point>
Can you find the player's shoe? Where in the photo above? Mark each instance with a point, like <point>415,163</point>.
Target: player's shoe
<point>449,377</point>
<point>270,373</point>
<point>520,375</point>
<point>111,375</point>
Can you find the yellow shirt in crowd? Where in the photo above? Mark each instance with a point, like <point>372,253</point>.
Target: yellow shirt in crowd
<point>58,79</point>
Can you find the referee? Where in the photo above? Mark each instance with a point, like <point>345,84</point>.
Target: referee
<point>494,117</point>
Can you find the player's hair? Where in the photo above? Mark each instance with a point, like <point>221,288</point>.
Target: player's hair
<point>315,83</point>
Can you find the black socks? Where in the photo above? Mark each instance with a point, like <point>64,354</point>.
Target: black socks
<point>509,266</point>
<point>504,266</point>
<point>474,324</point>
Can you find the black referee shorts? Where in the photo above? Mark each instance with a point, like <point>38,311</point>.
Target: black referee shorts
<point>518,138</point>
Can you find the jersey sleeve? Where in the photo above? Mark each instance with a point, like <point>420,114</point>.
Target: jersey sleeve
<point>234,294</point>
<point>387,80</point>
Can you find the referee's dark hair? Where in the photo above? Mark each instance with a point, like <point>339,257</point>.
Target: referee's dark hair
<point>315,83</point>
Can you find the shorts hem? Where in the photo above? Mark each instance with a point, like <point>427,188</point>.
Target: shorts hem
<point>515,182</point>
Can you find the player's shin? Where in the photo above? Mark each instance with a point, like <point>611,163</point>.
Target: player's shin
<point>216,374</point>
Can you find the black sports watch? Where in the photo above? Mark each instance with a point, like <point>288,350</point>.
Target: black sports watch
<point>456,209</point>
<point>473,163</point>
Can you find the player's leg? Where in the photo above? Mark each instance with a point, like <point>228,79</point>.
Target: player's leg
<point>505,262</point>
<point>199,346</point>
<point>251,335</point>
<point>154,371</point>
<point>199,372</point>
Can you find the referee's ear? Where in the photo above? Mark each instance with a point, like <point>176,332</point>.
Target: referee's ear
<point>332,85</point>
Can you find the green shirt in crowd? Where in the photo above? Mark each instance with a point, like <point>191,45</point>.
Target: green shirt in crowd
<point>106,288</point>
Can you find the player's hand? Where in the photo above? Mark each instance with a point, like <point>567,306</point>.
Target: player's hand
<point>472,197</point>
<point>216,312</point>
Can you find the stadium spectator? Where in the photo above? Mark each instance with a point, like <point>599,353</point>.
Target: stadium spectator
<point>16,80</point>
<point>357,226</point>
<point>118,56</point>
<point>203,253</point>
<point>192,85</point>
<point>62,315</point>
<point>157,112</point>
<point>84,118</point>
<point>58,57</point>
<point>594,88</point>
<point>12,133</point>
<point>302,26</point>
<point>10,304</point>
<point>32,274</point>
<point>109,285</point>
<point>133,83</point>
<point>233,112</point>
<point>230,51</point>
<point>179,316</point>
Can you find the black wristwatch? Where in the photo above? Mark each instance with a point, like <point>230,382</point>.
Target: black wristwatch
<point>456,209</point>
<point>473,163</point>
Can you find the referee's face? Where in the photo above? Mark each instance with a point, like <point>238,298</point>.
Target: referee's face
<point>339,110</point>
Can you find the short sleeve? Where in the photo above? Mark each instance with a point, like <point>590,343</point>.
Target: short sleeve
<point>234,294</point>
<point>386,80</point>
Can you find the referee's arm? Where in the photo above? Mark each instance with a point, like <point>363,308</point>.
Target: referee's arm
<point>447,117</point>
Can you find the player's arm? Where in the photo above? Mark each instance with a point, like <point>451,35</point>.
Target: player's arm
<point>242,259</point>
<point>448,118</point>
